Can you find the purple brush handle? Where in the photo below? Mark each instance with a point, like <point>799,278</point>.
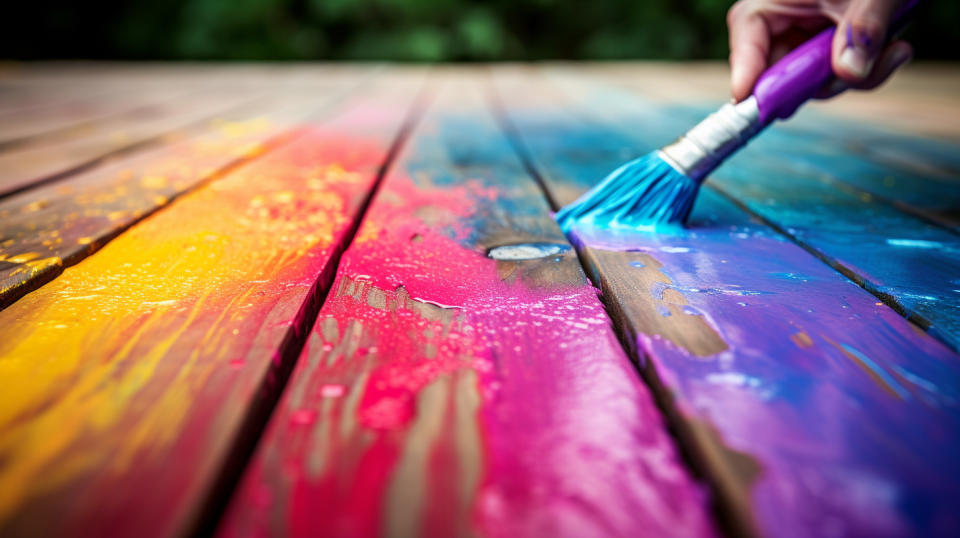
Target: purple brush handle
<point>797,76</point>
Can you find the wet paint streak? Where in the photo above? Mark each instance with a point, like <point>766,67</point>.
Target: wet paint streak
<point>493,403</point>
<point>891,253</point>
<point>812,387</point>
<point>881,376</point>
<point>135,369</point>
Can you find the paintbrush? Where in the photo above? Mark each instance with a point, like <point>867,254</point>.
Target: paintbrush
<point>659,188</point>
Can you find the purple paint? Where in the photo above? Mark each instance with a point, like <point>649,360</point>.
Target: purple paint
<point>846,408</point>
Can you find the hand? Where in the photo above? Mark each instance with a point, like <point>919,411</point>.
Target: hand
<point>763,31</point>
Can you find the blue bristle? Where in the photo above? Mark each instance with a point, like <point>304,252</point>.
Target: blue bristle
<point>643,194</point>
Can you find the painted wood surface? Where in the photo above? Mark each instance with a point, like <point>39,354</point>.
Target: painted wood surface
<point>131,382</point>
<point>446,393</point>
<point>798,187</point>
<point>860,132</point>
<point>912,174</point>
<point>815,408</point>
<point>54,226</point>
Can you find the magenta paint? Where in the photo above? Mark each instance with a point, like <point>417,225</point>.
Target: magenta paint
<point>565,439</point>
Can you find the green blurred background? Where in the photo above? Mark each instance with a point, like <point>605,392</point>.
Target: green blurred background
<point>406,30</point>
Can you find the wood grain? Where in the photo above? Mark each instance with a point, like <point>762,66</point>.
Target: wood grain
<point>22,167</point>
<point>445,393</point>
<point>825,412</point>
<point>129,381</point>
<point>55,226</point>
<point>74,116</point>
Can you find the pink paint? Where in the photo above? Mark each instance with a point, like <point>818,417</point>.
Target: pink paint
<point>469,404</point>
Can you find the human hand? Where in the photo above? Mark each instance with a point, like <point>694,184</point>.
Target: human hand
<point>763,31</point>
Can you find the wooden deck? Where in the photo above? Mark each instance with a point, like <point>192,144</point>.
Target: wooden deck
<point>331,300</point>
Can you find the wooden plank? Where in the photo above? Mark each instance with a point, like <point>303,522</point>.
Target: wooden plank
<point>76,115</point>
<point>906,173</point>
<point>23,98</point>
<point>64,107</point>
<point>53,226</point>
<point>816,409</point>
<point>134,381</point>
<point>24,166</point>
<point>866,131</point>
<point>913,174</point>
<point>903,260</point>
<point>923,98</point>
<point>445,393</point>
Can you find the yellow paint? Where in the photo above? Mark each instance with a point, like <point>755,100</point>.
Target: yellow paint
<point>99,369</point>
<point>154,182</point>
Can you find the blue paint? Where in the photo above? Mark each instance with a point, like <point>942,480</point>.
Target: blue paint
<point>808,182</point>
<point>645,194</point>
<point>878,370</point>
<point>914,243</point>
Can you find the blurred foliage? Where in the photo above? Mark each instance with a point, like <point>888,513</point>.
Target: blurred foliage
<point>410,30</point>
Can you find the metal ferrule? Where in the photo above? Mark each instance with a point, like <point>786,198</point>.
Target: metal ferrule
<point>704,147</point>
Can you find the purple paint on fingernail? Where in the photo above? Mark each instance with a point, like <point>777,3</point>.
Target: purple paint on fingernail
<point>859,39</point>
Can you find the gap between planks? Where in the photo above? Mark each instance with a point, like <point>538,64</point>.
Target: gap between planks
<point>270,380</point>
<point>936,322</point>
<point>293,342</point>
<point>807,127</point>
<point>735,496</point>
<point>284,135</point>
<point>191,123</point>
<point>728,512</point>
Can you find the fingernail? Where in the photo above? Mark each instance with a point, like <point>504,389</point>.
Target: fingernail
<point>855,60</point>
<point>856,57</point>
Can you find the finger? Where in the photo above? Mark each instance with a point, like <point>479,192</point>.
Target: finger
<point>859,38</point>
<point>781,44</point>
<point>749,47</point>
<point>895,55</point>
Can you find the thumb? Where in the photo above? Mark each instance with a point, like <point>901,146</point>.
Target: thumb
<point>860,37</point>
